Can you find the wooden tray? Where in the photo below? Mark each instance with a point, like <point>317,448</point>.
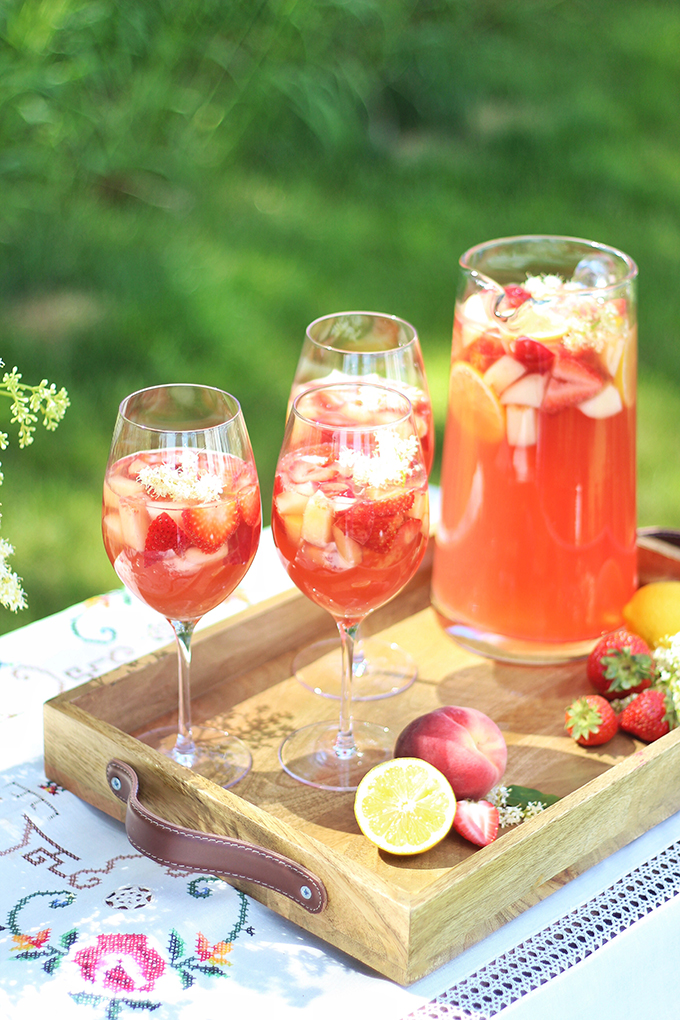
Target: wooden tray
<point>402,916</point>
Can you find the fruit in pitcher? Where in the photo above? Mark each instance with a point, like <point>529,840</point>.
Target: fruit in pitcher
<point>571,382</point>
<point>647,716</point>
<point>591,720</point>
<point>463,743</point>
<point>404,806</point>
<point>620,664</point>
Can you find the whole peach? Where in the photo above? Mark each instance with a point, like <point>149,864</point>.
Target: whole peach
<point>463,743</point>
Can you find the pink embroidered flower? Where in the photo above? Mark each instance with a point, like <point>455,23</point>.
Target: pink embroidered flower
<point>121,963</point>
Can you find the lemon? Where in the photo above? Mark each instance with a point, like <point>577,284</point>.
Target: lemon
<point>538,322</point>
<point>654,611</point>
<point>405,805</point>
<point>475,404</point>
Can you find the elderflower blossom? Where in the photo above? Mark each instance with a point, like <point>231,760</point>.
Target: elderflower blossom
<point>183,482</point>
<point>28,405</point>
<point>512,814</point>
<point>390,465</point>
<point>667,659</point>
<point>588,321</point>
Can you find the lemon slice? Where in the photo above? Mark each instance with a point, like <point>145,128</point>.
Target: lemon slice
<point>654,611</point>
<point>405,805</point>
<point>627,372</point>
<point>474,404</point>
<point>538,323</point>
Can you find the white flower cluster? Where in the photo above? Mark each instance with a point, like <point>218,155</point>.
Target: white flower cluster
<point>512,814</point>
<point>589,322</point>
<point>667,659</point>
<point>183,482</point>
<point>29,404</point>
<point>390,465</point>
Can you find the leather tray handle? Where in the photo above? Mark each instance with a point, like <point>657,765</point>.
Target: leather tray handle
<point>167,843</point>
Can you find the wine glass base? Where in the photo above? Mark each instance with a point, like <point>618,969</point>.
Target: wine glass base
<point>216,756</point>
<point>381,669</point>
<point>309,755</point>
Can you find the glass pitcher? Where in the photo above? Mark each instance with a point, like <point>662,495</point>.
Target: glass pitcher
<point>535,553</point>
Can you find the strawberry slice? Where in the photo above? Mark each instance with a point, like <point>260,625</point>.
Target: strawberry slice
<point>476,821</point>
<point>483,351</point>
<point>208,527</point>
<point>534,355</point>
<point>383,533</point>
<point>570,383</point>
<point>397,503</point>
<point>163,535</point>
<point>516,295</point>
<point>249,504</point>
<point>357,522</point>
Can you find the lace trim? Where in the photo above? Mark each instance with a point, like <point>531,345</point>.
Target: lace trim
<point>561,945</point>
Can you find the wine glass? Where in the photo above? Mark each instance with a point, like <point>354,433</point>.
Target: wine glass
<point>181,523</point>
<point>350,520</point>
<point>383,349</point>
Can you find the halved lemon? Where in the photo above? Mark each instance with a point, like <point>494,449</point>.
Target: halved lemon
<point>474,404</point>
<point>405,805</point>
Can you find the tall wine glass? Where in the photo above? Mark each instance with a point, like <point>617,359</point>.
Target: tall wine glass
<point>350,521</point>
<point>181,523</point>
<point>383,349</point>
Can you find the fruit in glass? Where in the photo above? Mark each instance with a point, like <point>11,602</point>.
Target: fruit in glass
<point>385,350</point>
<point>181,521</point>
<point>350,520</point>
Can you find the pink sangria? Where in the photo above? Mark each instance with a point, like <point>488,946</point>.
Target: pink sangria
<point>181,522</point>
<point>181,527</point>
<point>536,550</point>
<point>350,520</point>
<point>381,349</point>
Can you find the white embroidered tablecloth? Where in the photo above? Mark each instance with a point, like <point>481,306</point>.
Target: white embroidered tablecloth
<point>89,928</point>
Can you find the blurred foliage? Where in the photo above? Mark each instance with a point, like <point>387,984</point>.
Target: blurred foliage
<point>186,185</point>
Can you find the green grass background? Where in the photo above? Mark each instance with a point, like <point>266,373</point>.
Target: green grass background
<point>186,185</point>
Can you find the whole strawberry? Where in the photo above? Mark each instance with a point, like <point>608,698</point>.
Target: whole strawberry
<point>591,720</point>
<point>647,716</point>
<point>620,664</point>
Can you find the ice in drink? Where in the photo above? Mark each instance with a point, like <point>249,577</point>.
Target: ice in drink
<point>536,546</point>
<point>181,527</point>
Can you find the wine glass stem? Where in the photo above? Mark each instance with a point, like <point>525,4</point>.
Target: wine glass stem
<point>344,743</point>
<point>184,629</point>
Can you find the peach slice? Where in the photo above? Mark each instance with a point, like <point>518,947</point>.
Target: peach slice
<point>604,404</point>
<point>522,428</point>
<point>527,391</point>
<point>317,520</point>
<point>503,373</point>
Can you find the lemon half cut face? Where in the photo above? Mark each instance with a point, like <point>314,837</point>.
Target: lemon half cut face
<point>405,806</point>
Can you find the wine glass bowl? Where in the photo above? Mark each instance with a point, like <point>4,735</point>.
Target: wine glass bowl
<point>181,521</point>
<point>375,348</point>
<point>350,520</point>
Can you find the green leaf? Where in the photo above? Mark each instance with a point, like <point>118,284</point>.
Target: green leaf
<point>520,796</point>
